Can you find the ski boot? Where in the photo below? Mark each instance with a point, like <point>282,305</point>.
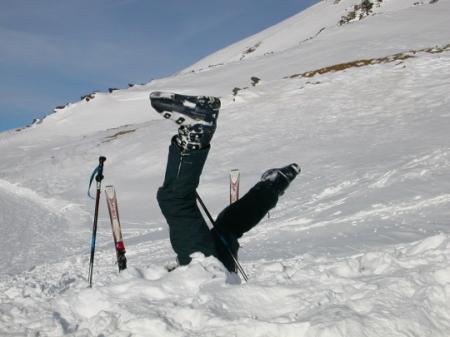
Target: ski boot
<point>195,115</point>
<point>281,177</point>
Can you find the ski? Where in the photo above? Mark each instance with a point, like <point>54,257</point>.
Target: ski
<point>234,185</point>
<point>111,200</point>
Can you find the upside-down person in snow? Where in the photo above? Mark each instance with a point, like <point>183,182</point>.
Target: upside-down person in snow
<point>196,117</point>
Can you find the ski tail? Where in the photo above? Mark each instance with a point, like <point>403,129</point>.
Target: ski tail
<point>111,199</point>
<point>234,185</point>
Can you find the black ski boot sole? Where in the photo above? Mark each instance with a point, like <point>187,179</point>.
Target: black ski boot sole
<point>185,109</point>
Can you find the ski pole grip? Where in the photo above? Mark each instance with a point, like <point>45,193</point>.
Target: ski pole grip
<point>99,176</point>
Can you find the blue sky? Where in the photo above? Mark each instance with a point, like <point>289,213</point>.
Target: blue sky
<point>54,51</point>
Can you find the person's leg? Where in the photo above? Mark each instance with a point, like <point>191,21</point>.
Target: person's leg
<point>247,212</point>
<point>188,231</point>
<point>196,117</point>
<point>240,217</point>
<point>244,214</point>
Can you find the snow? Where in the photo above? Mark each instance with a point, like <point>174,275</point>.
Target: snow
<point>359,244</point>
<point>400,291</point>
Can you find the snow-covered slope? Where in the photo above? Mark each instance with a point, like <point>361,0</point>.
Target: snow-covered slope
<point>359,244</point>
<point>326,21</point>
<point>403,27</point>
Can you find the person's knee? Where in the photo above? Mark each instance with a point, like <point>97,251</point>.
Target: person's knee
<point>174,202</point>
<point>163,199</point>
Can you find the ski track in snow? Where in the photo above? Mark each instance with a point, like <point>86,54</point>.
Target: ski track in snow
<point>22,208</point>
<point>367,196</point>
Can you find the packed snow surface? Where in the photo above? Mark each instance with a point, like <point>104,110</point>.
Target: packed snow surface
<point>359,245</point>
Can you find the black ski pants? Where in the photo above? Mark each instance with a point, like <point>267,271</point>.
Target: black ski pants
<point>188,230</point>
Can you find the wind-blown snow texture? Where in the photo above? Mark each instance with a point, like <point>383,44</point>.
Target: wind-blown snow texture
<point>358,246</point>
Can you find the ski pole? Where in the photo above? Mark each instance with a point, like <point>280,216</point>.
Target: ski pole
<point>222,239</point>
<point>98,178</point>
